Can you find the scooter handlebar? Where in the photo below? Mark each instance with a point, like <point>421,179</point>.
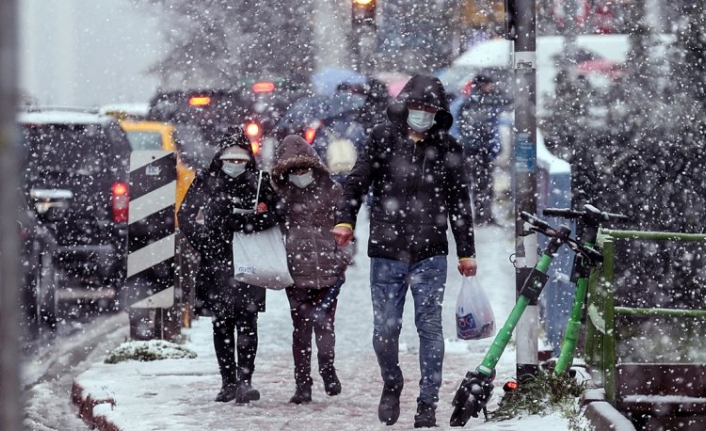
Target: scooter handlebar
<point>591,211</point>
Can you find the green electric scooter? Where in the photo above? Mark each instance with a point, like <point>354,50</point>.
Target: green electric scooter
<point>476,388</point>
<point>589,222</point>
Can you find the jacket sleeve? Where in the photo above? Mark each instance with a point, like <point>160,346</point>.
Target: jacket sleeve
<point>195,199</point>
<point>357,183</point>
<point>254,222</point>
<point>458,200</point>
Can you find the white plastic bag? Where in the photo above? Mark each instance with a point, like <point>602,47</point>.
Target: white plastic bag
<point>260,259</point>
<point>474,315</point>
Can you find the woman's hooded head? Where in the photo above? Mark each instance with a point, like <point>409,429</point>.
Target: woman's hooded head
<point>294,153</point>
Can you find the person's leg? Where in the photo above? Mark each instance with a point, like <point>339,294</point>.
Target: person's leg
<point>388,281</point>
<point>324,320</point>
<point>427,282</point>
<point>301,310</point>
<point>224,344</point>
<point>246,327</point>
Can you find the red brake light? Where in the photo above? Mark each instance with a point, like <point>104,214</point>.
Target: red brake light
<point>252,129</point>
<point>119,189</point>
<point>121,202</point>
<point>255,145</point>
<point>263,87</point>
<point>199,100</point>
<point>309,135</point>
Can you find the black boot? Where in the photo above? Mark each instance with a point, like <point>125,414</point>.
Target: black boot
<point>332,385</point>
<point>244,393</point>
<point>302,394</point>
<point>426,416</point>
<point>227,393</point>
<point>389,408</point>
<point>223,343</point>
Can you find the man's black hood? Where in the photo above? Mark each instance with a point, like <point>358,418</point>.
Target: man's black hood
<point>426,90</point>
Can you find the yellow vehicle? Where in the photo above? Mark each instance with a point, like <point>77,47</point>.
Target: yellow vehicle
<point>154,135</point>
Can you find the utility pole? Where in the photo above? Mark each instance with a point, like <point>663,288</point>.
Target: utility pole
<point>522,29</point>
<point>10,406</point>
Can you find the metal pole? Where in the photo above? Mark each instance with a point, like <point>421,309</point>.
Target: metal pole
<point>525,184</point>
<point>10,406</point>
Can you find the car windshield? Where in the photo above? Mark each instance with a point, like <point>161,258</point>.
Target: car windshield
<point>141,140</point>
<point>75,149</point>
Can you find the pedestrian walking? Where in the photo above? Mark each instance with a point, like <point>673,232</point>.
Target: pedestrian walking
<point>218,203</point>
<point>307,204</point>
<point>417,175</point>
<point>478,130</point>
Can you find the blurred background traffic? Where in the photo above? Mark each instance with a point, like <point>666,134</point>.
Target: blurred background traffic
<point>101,80</point>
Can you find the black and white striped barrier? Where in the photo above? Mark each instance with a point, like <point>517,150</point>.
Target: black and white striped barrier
<point>151,231</point>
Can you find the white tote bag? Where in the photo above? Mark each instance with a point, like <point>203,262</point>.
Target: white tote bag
<point>475,319</point>
<point>260,258</point>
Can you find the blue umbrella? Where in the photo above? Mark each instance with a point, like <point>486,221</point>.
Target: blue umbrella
<point>326,80</point>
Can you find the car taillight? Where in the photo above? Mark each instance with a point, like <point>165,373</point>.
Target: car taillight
<point>121,202</point>
<point>199,101</point>
<point>467,89</point>
<point>310,134</point>
<point>263,87</point>
<point>254,132</point>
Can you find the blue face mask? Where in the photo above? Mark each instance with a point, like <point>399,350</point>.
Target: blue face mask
<point>233,169</point>
<point>420,121</point>
<point>303,180</point>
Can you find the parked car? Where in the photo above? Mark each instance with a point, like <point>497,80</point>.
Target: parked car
<point>330,124</point>
<point>86,154</point>
<point>42,276</point>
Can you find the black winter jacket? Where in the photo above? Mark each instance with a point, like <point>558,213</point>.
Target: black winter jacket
<point>416,187</point>
<point>216,196</point>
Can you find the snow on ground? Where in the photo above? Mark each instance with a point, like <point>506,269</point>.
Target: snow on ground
<point>177,394</point>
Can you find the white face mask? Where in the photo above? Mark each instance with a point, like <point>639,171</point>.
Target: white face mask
<point>233,169</point>
<point>420,121</point>
<point>303,180</point>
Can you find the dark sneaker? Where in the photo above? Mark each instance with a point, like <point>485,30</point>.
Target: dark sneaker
<point>426,416</point>
<point>227,393</point>
<point>245,393</point>
<point>302,395</point>
<point>389,408</point>
<point>332,385</point>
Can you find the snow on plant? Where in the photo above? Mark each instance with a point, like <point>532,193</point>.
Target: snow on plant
<point>152,350</point>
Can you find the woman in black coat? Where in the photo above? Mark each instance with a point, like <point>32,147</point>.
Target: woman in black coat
<point>217,204</point>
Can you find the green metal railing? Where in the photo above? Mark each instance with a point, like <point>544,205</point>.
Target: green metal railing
<point>601,337</point>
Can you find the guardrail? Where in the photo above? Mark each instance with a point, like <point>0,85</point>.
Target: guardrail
<point>602,337</point>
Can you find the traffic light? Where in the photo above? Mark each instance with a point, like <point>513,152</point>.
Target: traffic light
<point>363,12</point>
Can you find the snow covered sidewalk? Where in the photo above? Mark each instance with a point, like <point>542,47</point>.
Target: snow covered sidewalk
<point>177,394</point>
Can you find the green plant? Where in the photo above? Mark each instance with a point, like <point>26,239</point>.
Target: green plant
<point>542,395</point>
<point>152,350</point>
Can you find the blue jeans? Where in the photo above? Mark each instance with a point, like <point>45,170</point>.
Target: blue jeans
<point>389,280</point>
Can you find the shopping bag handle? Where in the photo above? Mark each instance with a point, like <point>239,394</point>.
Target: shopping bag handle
<point>257,194</point>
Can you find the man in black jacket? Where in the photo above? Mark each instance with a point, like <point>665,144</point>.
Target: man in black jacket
<point>418,179</point>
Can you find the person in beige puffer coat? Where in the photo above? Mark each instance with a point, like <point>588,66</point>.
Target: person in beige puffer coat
<point>308,197</point>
